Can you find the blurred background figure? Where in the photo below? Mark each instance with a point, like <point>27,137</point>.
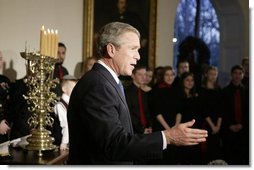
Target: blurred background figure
<point>188,108</point>
<point>148,82</point>
<point>182,67</point>
<point>19,112</point>
<point>88,64</point>
<point>60,70</point>
<point>236,119</point>
<point>163,105</point>
<point>212,110</point>
<point>4,105</point>
<point>60,129</point>
<point>245,64</point>
<point>157,76</point>
<point>137,101</point>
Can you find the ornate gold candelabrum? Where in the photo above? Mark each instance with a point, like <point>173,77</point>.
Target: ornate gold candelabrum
<point>41,100</point>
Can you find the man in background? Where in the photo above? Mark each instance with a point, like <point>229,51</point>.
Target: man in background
<point>60,70</point>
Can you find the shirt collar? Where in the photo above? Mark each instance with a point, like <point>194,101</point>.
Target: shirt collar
<point>110,70</point>
<point>66,98</point>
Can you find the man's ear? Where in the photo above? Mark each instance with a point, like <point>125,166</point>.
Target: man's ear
<point>111,50</point>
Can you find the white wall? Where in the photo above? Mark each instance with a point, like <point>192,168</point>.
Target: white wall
<point>165,31</point>
<point>21,21</point>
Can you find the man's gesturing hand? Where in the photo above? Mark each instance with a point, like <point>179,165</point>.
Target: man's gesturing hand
<point>183,134</point>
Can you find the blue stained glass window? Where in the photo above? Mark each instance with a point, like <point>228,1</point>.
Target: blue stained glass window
<point>208,27</point>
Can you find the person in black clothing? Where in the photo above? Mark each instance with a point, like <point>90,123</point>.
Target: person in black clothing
<point>4,109</point>
<point>100,126</point>
<point>137,101</point>
<point>19,112</point>
<point>164,109</point>
<point>164,99</point>
<point>197,53</point>
<point>245,64</point>
<point>4,103</point>
<point>188,108</point>
<point>211,102</point>
<point>60,70</point>
<point>236,119</point>
<point>182,67</point>
<point>157,76</point>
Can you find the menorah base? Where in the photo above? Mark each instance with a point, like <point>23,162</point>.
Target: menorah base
<point>40,141</point>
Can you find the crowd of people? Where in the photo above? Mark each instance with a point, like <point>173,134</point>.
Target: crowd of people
<point>161,104</point>
<point>175,97</point>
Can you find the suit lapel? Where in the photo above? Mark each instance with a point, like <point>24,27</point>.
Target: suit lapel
<point>112,81</point>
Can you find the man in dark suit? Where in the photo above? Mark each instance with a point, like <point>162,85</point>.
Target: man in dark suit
<point>100,128</point>
<point>236,119</point>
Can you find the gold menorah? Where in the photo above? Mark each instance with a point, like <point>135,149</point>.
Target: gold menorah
<point>41,100</point>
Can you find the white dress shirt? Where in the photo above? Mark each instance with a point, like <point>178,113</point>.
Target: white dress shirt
<point>61,111</point>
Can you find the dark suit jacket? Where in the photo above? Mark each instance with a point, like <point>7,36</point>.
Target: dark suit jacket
<point>100,130</point>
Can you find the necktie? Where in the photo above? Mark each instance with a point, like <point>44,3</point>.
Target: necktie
<point>141,109</point>
<point>238,111</point>
<point>121,87</point>
<point>60,72</point>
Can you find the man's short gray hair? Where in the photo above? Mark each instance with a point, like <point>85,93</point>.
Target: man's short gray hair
<point>111,33</point>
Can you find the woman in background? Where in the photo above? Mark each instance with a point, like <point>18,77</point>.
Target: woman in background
<point>211,102</point>
<point>188,109</point>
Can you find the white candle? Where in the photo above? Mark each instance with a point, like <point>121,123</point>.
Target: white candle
<point>45,43</point>
<point>52,51</point>
<point>48,43</point>
<point>56,44</point>
<point>41,40</point>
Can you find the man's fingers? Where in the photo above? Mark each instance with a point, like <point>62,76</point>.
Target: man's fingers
<point>194,141</point>
<point>198,132</point>
<point>190,123</point>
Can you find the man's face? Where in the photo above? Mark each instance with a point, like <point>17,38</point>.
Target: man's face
<point>237,76</point>
<point>246,66</point>
<point>90,64</point>
<point>139,77</point>
<point>61,54</point>
<point>121,6</point>
<point>183,67</point>
<point>125,57</point>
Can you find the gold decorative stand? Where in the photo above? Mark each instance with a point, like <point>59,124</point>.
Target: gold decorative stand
<point>41,100</point>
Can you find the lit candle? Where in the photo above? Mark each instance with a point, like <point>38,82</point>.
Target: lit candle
<point>56,43</point>
<point>53,39</point>
<point>41,40</point>
<point>48,43</point>
<point>45,43</point>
